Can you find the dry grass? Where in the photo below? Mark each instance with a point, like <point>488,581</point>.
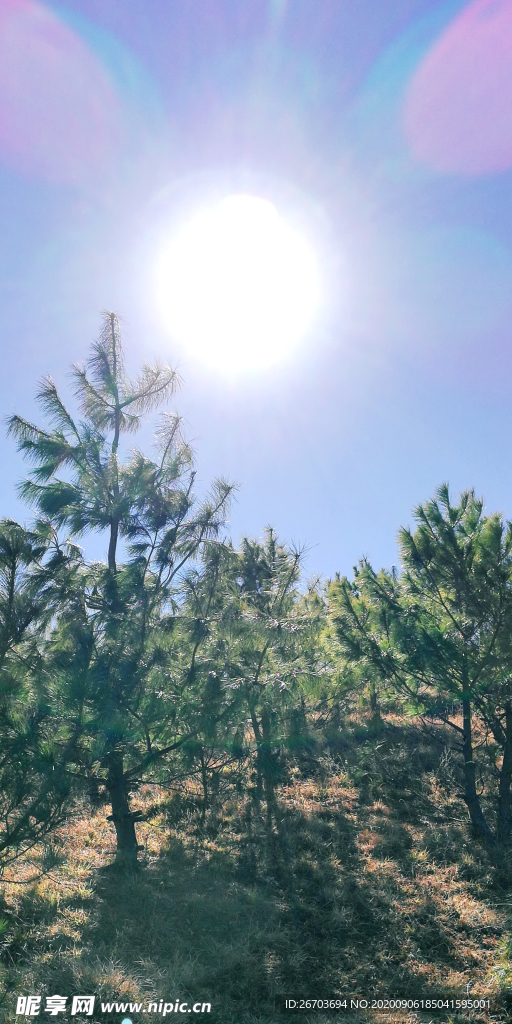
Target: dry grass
<point>370,886</point>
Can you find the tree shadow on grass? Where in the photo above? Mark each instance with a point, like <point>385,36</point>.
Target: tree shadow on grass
<point>235,915</point>
<point>41,938</point>
<point>316,918</point>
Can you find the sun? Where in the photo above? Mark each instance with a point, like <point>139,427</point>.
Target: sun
<point>238,286</point>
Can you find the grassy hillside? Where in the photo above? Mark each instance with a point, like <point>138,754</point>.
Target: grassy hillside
<point>369,885</point>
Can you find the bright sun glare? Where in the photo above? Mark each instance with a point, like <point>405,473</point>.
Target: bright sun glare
<point>238,285</point>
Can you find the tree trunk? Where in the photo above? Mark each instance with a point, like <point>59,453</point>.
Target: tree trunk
<point>259,760</point>
<point>94,791</point>
<point>122,817</point>
<point>204,780</point>
<point>375,725</point>
<point>374,702</point>
<point>267,766</point>
<point>504,794</point>
<point>471,797</point>
<point>112,546</point>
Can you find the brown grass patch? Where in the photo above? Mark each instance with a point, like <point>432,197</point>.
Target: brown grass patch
<point>369,886</point>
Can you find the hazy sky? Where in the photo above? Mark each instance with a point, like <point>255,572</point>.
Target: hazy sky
<point>383,131</point>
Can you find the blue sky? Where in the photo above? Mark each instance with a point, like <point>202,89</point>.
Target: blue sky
<point>334,111</point>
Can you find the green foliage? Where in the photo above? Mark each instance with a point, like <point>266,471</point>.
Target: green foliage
<point>121,674</point>
<point>165,659</point>
<point>253,657</point>
<point>439,634</point>
<point>272,655</point>
<point>35,747</point>
<point>183,663</point>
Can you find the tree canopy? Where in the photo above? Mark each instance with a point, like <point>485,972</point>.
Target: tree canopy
<point>439,633</point>
<point>180,655</point>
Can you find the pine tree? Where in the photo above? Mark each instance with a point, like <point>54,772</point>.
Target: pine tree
<point>255,659</point>
<point>440,635</point>
<point>274,655</point>
<point>123,677</point>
